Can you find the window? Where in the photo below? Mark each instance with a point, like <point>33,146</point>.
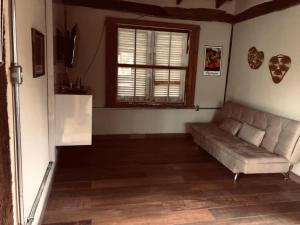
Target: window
<point>150,64</point>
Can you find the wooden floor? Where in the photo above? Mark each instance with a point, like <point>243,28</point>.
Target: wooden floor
<point>163,182</point>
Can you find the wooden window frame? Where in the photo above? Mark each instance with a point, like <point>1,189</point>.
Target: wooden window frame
<point>112,25</point>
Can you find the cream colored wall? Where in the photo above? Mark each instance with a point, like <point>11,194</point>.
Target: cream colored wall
<point>34,103</point>
<point>276,33</point>
<point>50,71</point>
<point>209,90</point>
<point>58,16</point>
<point>246,4</point>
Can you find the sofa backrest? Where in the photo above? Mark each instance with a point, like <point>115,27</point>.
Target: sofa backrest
<point>282,134</point>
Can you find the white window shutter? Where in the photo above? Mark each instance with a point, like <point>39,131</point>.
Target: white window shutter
<point>143,48</point>
<point>152,49</point>
<point>178,53</point>
<point>162,48</point>
<point>126,83</point>
<point>126,46</point>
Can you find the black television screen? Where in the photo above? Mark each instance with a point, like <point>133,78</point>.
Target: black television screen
<point>71,45</point>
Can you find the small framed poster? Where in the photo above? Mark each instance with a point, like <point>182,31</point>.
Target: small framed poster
<point>212,61</point>
<point>38,53</point>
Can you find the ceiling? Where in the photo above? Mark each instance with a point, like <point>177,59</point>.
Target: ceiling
<point>219,3</point>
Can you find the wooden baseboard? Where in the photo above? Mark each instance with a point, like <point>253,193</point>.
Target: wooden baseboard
<point>295,177</point>
<point>140,136</point>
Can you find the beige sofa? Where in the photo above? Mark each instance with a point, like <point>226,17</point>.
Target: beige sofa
<point>277,153</point>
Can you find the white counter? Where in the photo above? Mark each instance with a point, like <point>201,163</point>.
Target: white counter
<point>73,120</point>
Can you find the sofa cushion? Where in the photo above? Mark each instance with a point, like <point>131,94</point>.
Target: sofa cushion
<point>287,139</point>
<point>230,125</point>
<point>245,152</point>
<point>241,157</point>
<point>251,134</point>
<point>203,130</point>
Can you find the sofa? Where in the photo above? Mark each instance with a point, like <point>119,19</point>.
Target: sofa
<point>277,146</point>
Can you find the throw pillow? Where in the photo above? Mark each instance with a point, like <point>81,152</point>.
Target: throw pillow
<point>230,125</point>
<point>251,134</point>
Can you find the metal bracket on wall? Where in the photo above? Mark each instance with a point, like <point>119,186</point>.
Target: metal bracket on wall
<point>198,108</point>
<point>16,74</point>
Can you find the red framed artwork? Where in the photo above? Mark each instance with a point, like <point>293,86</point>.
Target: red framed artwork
<point>212,61</point>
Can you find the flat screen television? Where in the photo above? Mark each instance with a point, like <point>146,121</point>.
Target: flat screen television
<point>71,46</point>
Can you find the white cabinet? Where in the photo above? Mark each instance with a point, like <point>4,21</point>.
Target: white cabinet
<point>73,119</point>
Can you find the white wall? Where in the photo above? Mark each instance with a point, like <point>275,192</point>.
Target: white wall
<point>50,72</point>
<point>209,90</point>
<point>276,33</point>
<point>58,11</point>
<point>34,103</point>
<point>246,4</point>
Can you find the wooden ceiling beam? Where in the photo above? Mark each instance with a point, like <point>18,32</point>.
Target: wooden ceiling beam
<point>198,14</point>
<point>219,3</point>
<point>178,2</point>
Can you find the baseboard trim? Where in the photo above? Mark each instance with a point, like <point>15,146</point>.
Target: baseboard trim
<point>40,220</point>
<point>140,136</point>
<point>295,177</point>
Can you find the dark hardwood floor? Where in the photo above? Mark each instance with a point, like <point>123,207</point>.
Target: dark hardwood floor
<point>162,182</point>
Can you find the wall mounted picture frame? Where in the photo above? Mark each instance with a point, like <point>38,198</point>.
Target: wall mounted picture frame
<point>38,53</point>
<point>212,60</point>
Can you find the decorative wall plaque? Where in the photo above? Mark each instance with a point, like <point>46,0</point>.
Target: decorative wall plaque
<point>279,66</point>
<point>255,58</point>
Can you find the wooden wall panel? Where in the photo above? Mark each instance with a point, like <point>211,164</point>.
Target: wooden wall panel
<point>6,210</point>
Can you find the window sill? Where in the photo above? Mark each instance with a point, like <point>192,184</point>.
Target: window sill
<point>154,106</point>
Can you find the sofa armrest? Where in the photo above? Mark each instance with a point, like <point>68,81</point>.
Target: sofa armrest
<point>295,157</point>
<point>189,125</point>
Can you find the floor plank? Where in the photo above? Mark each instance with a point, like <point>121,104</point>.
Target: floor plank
<point>162,182</point>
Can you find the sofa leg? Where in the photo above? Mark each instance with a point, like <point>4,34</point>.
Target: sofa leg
<point>236,176</point>
<point>286,176</point>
